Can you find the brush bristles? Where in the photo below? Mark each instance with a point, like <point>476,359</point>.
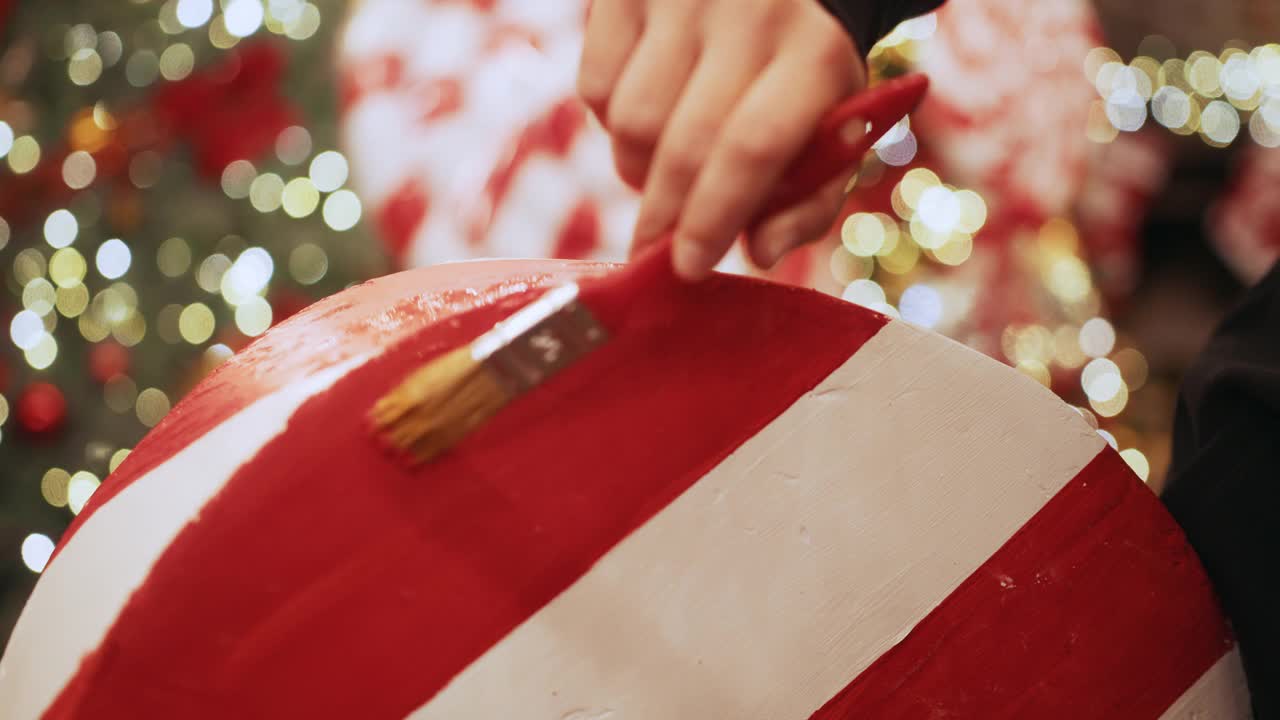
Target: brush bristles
<point>438,405</point>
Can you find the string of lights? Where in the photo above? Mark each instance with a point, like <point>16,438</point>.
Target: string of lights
<point>134,276</point>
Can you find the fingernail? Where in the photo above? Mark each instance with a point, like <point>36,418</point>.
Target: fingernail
<point>690,258</point>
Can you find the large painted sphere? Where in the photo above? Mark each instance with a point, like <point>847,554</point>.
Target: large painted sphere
<point>754,502</point>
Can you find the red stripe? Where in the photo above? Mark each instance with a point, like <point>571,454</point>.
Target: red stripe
<point>364,319</point>
<point>1096,609</point>
<point>327,582</point>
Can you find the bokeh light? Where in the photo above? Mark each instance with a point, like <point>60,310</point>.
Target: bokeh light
<point>921,305</point>
<point>113,258</point>
<point>300,198</point>
<point>237,179</point>
<point>28,265</point>
<point>24,154</point>
<point>1219,123</point>
<point>117,458</point>
<point>53,486</point>
<point>26,329</point>
<point>85,66</point>
<point>6,138</point>
<point>266,191</point>
<point>1138,462</point>
<point>328,171</point>
<point>196,323</point>
<point>173,257</point>
<point>80,488</point>
<point>867,293</point>
<point>67,267</point>
<point>247,277</point>
<point>243,17</point>
<point>39,296</point>
<point>342,210</point>
<point>37,548</point>
<point>151,407</point>
<point>253,317</point>
<point>177,61</point>
<point>308,264</point>
<point>1101,380</point>
<point>120,393</point>
<point>142,68</point>
<point>72,301</point>
<point>209,274</point>
<point>194,13</point>
<point>1097,338</point>
<point>61,228</point>
<point>45,352</point>
<point>293,145</point>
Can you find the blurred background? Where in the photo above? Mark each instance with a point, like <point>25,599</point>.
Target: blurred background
<point>1085,193</point>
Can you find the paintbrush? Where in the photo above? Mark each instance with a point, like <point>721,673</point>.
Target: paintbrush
<point>447,398</point>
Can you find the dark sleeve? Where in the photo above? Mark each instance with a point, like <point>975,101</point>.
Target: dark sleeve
<point>869,20</point>
<point>1224,484</point>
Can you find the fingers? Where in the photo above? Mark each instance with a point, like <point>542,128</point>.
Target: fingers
<point>613,29</point>
<point>778,235</point>
<point>649,88</point>
<point>724,73</point>
<point>763,134</point>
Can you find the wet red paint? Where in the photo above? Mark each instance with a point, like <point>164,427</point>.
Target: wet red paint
<point>1095,609</point>
<point>362,320</point>
<point>334,582</point>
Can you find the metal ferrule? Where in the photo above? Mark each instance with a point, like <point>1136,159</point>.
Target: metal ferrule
<point>539,340</point>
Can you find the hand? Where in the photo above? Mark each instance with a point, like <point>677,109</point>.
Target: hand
<point>708,101</point>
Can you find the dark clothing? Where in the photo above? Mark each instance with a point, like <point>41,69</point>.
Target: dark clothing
<point>1224,486</point>
<point>870,20</point>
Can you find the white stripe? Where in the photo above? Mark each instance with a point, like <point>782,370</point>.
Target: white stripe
<point>781,575</point>
<point>84,589</point>
<point>1220,694</point>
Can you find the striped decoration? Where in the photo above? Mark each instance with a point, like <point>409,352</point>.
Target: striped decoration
<point>755,502</point>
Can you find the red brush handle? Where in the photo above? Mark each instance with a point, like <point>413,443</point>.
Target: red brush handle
<point>843,137</point>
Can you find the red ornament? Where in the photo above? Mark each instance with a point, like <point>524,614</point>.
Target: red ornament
<point>108,360</point>
<point>229,112</point>
<point>643,498</point>
<point>42,409</point>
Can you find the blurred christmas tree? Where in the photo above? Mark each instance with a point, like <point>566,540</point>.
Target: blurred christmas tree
<point>169,190</point>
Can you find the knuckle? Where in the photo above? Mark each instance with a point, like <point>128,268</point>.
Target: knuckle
<point>814,227</point>
<point>593,91</point>
<point>681,164</point>
<point>699,235</point>
<point>632,127</point>
<point>833,51</point>
<point>756,145</point>
<point>763,16</point>
<point>631,168</point>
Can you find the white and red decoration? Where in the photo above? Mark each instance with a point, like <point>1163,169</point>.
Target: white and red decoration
<point>1010,102</point>
<point>863,519</point>
<point>468,140</point>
